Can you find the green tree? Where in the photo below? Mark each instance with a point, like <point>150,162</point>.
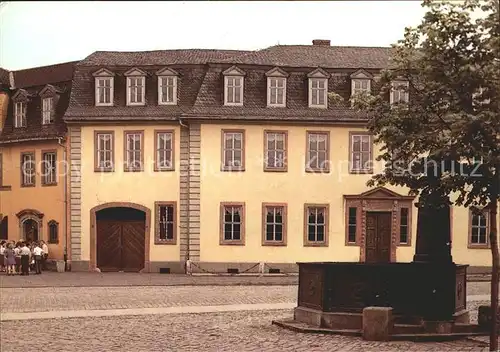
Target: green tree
<point>451,62</point>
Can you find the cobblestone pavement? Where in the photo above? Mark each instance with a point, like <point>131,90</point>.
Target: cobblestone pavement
<point>213,332</point>
<point>78,298</point>
<point>86,279</point>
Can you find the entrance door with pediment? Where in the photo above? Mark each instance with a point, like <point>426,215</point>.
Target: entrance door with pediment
<point>378,221</point>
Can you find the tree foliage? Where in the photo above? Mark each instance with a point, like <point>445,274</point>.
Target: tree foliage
<point>451,61</point>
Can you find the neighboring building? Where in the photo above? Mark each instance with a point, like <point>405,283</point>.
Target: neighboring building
<point>221,157</point>
<point>32,156</point>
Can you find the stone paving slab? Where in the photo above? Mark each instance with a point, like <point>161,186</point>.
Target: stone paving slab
<point>245,331</point>
<point>87,279</point>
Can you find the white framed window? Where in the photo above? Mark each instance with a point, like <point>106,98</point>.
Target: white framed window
<point>233,90</point>
<point>49,168</point>
<point>360,86</point>
<point>28,169</point>
<point>20,114</point>
<point>104,91</point>
<point>361,153</point>
<point>164,146</point>
<point>133,151</point>
<point>104,151</point>
<point>47,111</point>
<point>233,150</point>
<point>136,90</point>
<point>399,92</point>
<point>167,90</point>
<point>276,91</point>
<point>318,89</point>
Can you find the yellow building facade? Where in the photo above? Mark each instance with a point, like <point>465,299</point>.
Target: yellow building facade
<point>220,161</point>
<point>33,188</point>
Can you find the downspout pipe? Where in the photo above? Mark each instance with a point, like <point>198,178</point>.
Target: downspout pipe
<point>188,172</point>
<point>65,237</point>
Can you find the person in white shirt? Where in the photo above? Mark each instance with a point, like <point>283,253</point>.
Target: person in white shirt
<point>25,259</point>
<point>45,255</point>
<point>2,251</point>
<point>37,253</point>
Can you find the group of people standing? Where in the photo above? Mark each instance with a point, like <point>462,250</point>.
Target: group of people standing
<point>23,257</point>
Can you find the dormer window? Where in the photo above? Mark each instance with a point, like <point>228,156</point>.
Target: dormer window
<point>233,86</point>
<point>399,92</point>
<point>276,87</point>
<point>20,100</point>
<point>104,87</point>
<point>20,114</point>
<point>47,111</point>
<point>49,96</point>
<point>136,87</point>
<point>361,82</point>
<point>318,88</point>
<point>167,87</point>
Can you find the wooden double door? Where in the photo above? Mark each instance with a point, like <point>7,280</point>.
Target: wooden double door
<point>378,237</point>
<point>120,245</point>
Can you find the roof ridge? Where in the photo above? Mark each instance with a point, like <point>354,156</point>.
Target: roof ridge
<point>45,66</point>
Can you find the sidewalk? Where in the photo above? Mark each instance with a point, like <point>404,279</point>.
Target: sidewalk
<point>88,279</point>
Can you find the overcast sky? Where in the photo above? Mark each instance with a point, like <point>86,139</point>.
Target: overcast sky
<point>44,33</point>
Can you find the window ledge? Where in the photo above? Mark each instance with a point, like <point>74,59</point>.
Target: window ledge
<point>404,244</point>
<point>132,170</point>
<point>103,170</point>
<point>5,188</point>
<point>478,246</point>
<point>52,242</point>
<point>49,184</point>
<point>274,244</point>
<point>231,243</point>
<point>360,172</point>
<point>318,171</point>
<point>156,169</point>
<point>165,242</point>
<point>275,169</point>
<point>27,186</point>
<point>312,244</point>
<point>352,244</point>
<point>232,169</point>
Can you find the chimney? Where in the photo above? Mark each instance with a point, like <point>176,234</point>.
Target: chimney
<point>321,42</point>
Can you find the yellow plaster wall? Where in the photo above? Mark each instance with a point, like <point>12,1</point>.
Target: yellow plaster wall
<point>48,200</point>
<point>142,188</point>
<point>295,187</point>
<point>461,252</point>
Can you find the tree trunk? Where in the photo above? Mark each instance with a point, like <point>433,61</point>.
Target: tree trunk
<point>494,275</point>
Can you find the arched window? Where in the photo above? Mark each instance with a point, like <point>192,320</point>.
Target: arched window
<point>53,231</point>
<point>30,224</point>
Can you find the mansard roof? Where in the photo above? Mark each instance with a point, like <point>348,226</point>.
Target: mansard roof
<point>200,91</point>
<point>34,83</point>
